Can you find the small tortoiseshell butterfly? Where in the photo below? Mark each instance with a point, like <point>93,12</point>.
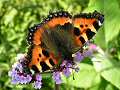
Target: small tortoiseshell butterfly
<point>59,36</point>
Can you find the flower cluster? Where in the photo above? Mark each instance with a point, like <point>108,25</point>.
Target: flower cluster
<point>65,68</point>
<point>79,56</point>
<point>17,74</point>
<point>21,74</point>
<point>37,82</point>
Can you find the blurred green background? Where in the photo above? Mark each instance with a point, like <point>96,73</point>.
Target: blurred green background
<point>17,15</point>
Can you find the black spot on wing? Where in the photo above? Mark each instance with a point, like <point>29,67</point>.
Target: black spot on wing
<point>96,25</point>
<point>67,26</point>
<point>81,26</point>
<point>86,25</point>
<point>44,66</point>
<point>35,68</point>
<point>37,59</point>
<point>39,55</point>
<point>51,62</point>
<point>76,31</point>
<point>45,53</point>
<point>89,34</point>
<point>82,39</point>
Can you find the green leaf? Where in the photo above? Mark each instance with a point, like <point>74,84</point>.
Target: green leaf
<point>10,15</point>
<point>100,38</point>
<point>108,68</point>
<point>110,87</point>
<point>95,5</point>
<point>85,78</point>
<point>111,72</point>
<point>112,18</point>
<point>4,66</point>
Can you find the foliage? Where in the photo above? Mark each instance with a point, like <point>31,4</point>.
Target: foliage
<point>16,16</point>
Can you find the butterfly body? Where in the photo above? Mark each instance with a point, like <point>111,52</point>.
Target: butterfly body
<point>59,36</point>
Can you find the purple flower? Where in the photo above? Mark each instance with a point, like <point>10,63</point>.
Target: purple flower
<point>24,79</point>
<point>68,64</point>
<point>20,78</point>
<point>29,78</point>
<point>17,74</point>
<point>38,77</point>
<point>66,72</point>
<point>63,63</point>
<point>78,57</point>
<point>18,66</point>
<point>57,77</point>
<point>93,46</point>
<point>90,50</point>
<point>37,84</point>
<point>15,78</point>
<point>14,81</point>
<point>12,73</point>
<point>87,53</point>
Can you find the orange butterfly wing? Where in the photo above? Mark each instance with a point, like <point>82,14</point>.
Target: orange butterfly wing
<point>86,26</point>
<point>53,19</point>
<point>41,59</point>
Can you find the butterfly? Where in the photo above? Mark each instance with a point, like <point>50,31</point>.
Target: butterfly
<point>59,36</point>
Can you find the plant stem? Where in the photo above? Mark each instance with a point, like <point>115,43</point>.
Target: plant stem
<point>57,86</point>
